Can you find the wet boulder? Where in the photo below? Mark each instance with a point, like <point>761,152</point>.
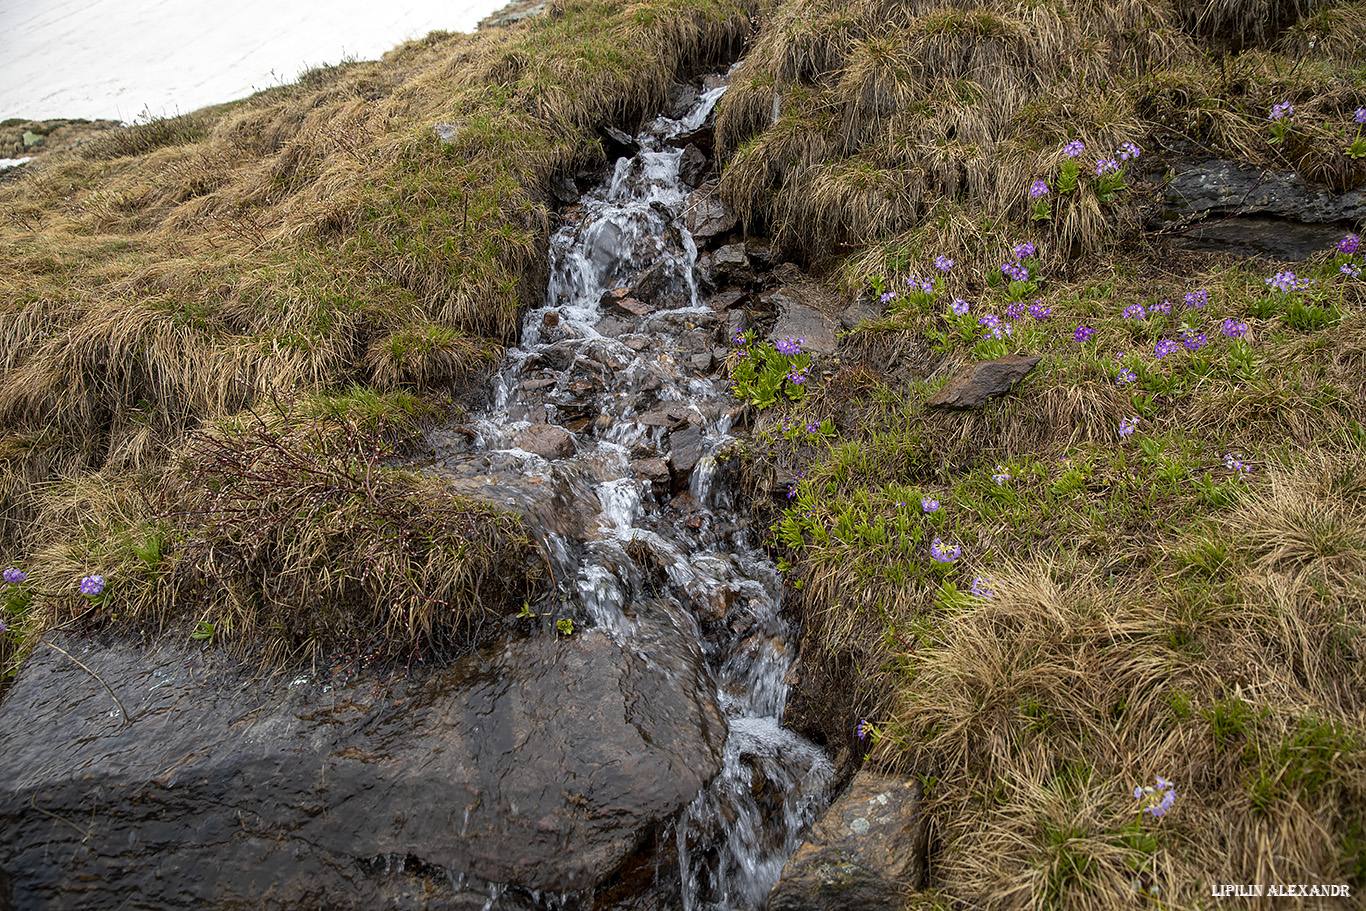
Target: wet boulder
<point>693,166</point>
<point>544,763</point>
<point>728,265</point>
<point>1220,187</point>
<point>546,441</point>
<point>868,849</point>
<point>802,314</point>
<point>706,216</point>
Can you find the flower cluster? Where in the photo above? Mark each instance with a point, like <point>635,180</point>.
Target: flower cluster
<point>1134,311</point>
<point>864,729</point>
<point>1235,464</point>
<point>1074,148</point>
<point>1351,242</point>
<point>1124,377</point>
<point>1001,476</point>
<point>1164,307</point>
<point>1193,341</point>
<point>92,586</point>
<point>1360,115</point>
<point>1038,189</point>
<point>922,285</point>
<point>1197,299</point>
<point>943,263</point>
<point>888,297</point>
<point>1039,311</point>
<point>1286,282</point>
<point>944,553</point>
<point>1024,250</point>
<point>1283,111</point>
<point>790,346</point>
<point>1157,801</point>
<point>1128,152</point>
<point>1015,310</point>
<point>1163,348</point>
<point>982,587</point>
<point>959,306</point>
<point>1106,166</point>
<point>14,575</point>
<point>1128,426</point>
<point>929,504</point>
<point>1015,271</point>
<point>992,326</point>
<point>1082,333</point>
<point>1234,328</point>
<point>1351,270</point>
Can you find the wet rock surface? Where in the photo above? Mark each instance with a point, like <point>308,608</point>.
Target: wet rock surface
<point>1220,187</point>
<point>540,764</point>
<point>974,384</point>
<point>868,849</point>
<point>802,314</point>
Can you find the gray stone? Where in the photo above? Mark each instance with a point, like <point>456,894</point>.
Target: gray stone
<point>860,311</point>
<point>544,763</point>
<point>798,318</point>
<point>729,265</point>
<point>1218,187</point>
<point>974,384</point>
<point>724,300</point>
<point>651,284</point>
<point>564,190</point>
<point>706,216</point>
<point>685,449</point>
<point>693,166</point>
<point>866,851</point>
<point>546,441</point>
<point>447,131</point>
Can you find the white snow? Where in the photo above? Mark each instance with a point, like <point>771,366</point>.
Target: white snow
<point>118,58</point>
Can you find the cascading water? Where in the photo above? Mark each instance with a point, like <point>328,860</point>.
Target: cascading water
<point>629,427</point>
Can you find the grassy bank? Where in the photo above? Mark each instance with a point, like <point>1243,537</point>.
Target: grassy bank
<point>1147,561</point>
<point>317,249</point>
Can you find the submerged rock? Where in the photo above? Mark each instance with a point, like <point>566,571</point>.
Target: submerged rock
<point>971,386</point>
<point>542,763</point>
<point>866,851</point>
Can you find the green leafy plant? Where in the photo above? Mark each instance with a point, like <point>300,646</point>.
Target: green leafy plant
<point>565,627</point>
<point>766,372</point>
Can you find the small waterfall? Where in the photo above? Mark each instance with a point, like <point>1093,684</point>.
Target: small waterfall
<point>631,466</point>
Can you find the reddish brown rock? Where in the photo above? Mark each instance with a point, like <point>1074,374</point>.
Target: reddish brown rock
<point>971,386</point>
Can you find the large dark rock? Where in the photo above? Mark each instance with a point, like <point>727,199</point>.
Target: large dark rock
<point>1225,188</point>
<point>544,763</point>
<point>971,386</point>
<point>545,440</point>
<point>693,166</point>
<point>728,265</point>
<point>867,850</point>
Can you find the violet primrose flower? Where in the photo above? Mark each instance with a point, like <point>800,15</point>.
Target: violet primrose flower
<point>916,283</point>
<point>1124,377</point>
<point>1134,311</point>
<point>1024,250</point>
<point>1235,464</point>
<point>982,587</point>
<point>92,585</point>
<point>944,553</point>
<point>1039,311</point>
<point>929,504</point>
<point>1164,307</point>
<point>1015,310</point>
<point>15,575</point>
<point>790,346</point>
<point>1351,270</point>
<point>1106,166</point>
<point>1038,189</point>
<point>1349,243</point>
<point>1015,272</point>
<point>959,306</point>
<point>1163,348</point>
<point>1082,333</point>
<point>1073,148</point>
<point>1128,426</point>
<point>1001,476</point>
<point>865,727</point>
<point>1234,328</point>
<point>1197,299</point>
<point>1195,341</point>
<point>1282,111</point>
<point>1153,803</point>
<point>1128,152</point>
<point>943,263</point>
<point>1361,115</point>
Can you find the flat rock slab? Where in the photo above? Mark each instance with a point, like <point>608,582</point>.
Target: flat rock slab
<point>971,386</point>
<point>1225,187</point>
<point>865,852</point>
<point>545,440</point>
<point>543,763</point>
<point>801,314</point>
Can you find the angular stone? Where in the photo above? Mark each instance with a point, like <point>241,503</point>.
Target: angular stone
<point>724,300</point>
<point>693,166</point>
<point>651,283</point>
<point>702,363</point>
<point>625,306</point>
<point>685,449</point>
<point>799,319</point>
<point>656,471</point>
<point>546,441</point>
<point>860,311</point>
<point>971,386</point>
<point>865,851</point>
<point>705,216</point>
<point>729,265</point>
<point>1219,187</point>
<point>544,763</point>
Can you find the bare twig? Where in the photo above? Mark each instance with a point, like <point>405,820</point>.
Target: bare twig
<point>126,717</point>
<point>33,802</point>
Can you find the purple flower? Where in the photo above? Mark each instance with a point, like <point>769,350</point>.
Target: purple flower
<point>739,338</point>
<point>865,727</point>
<point>790,346</point>
<point>1197,299</point>
<point>943,263</point>
<point>1235,328</point>
<point>1038,189</point>
<point>888,296</point>
<point>797,376</point>
<point>1351,270</point>
<point>1153,803</point>
<point>1039,311</point>
<point>3,626</point>
<point>92,585</point>
<point>982,587</point>
<point>1134,311</point>
<point>1282,281</point>
<point>1128,152</point>
<point>813,428</point>
<point>1106,166</point>
<point>1124,377</point>
<point>1015,272</point>
<point>1282,111</point>
<point>15,575</point>
<point>1235,464</point>
<point>1015,310</point>
<point>959,306</point>
<point>1164,348</point>
<point>1024,250</point>
<point>792,491</point>
<point>1128,426</point>
<point>929,504</point>
<point>1001,476</point>
<point>944,553</point>
<point>1073,148</point>
<point>1349,243</point>
<point>916,283</point>
<point>1082,333</point>
<point>1195,341</point>
<point>1361,115</point>
<point>1164,307</point>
